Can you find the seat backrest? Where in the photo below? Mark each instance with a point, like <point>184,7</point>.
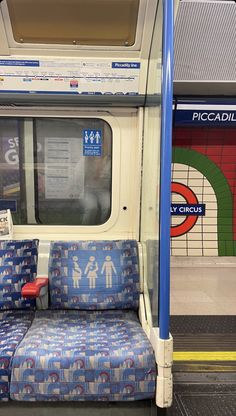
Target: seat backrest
<point>18,265</point>
<point>94,275</point>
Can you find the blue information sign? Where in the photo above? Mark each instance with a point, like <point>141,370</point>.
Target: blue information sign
<point>92,142</point>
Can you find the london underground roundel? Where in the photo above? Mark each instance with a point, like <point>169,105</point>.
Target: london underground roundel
<point>190,220</point>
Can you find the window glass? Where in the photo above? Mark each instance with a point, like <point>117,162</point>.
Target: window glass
<point>56,171</point>
<point>11,177</point>
<point>73,174</point>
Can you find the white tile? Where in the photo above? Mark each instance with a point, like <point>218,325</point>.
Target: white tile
<point>209,228</point>
<point>207,184</point>
<point>179,252</point>
<point>210,221</point>
<point>181,237</point>
<point>194,244</point>
<point>194,252</point>
<point>211,213</point>
<point>210,252</point>
<point>197,190</point>
<point>195,175</point>
<point>210,244</point>
<point>208,190</point>
<point>211,205</point>
<point>207,198</point>
<point>195,182</point>
<point>178,199</point>
<point>210,237</point>
<point>191,169</point>
<point>194,236</point>
<point>184,181</point>
<point>197,227</point>
<point>180,175</point>
<point>178,244</point>
<point>179,166</point>
<point>176,220</point>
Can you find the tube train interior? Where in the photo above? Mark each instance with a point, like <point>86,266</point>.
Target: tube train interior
<point>85,136</point>
<point>85,157</point>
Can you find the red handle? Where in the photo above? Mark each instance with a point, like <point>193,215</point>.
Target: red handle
<point>32,290</point>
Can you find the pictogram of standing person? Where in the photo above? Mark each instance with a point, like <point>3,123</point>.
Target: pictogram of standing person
<point>108,267</point>
<point>76,272</point>
<point>86,137</point>
<point>91,271</point>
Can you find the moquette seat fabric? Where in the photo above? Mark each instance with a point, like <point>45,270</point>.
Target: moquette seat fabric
<point>18,265</point>
<point>84,355</point>
<point>90,345</point>
<point>94,275</point>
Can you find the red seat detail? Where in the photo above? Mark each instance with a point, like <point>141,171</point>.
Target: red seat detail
<point>32,290</point>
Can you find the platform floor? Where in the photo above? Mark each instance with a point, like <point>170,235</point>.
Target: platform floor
<point>203,325</point>
<point>203,287</point>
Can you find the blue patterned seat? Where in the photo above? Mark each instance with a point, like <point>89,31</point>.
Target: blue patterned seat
<point>94,275</point>
<point>90,345</point>
<point>18,265</point>
<point>13,326</point>
<point>84,355</point>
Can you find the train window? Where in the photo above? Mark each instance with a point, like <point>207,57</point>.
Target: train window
<point>73,172</point>
<point>56,171</point>
<point>113,22</point>
<point>10,178</point>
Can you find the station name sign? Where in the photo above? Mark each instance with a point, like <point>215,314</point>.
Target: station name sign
<point>188,209</point>
<point>205,117</point>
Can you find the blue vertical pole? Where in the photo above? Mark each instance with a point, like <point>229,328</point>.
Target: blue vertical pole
<point>165,174</point>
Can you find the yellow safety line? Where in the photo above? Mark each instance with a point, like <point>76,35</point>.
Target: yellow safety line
<point>204,356</point>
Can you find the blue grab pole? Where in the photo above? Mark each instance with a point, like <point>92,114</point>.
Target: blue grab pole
<point>165,174</point>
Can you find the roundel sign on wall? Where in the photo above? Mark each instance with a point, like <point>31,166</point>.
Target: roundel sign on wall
<point>191,210</point>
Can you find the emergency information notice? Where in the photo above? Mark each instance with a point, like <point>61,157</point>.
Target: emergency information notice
<point>64,168</point>
<point>69,76</point>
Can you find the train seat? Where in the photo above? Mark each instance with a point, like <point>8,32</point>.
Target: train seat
<point>90,344</point>
<point>18,263</point>
<point>13,326</point>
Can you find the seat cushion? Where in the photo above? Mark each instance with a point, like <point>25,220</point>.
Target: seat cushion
<point>94,275</point>
<point>18,265</point>
<point>13,326</point>
<point>84,355</point>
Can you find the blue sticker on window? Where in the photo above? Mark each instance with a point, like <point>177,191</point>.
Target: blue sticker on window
<point>92,142</point>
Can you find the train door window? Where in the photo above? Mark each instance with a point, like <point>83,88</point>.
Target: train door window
<point>56,171</point>
<point>73,175</point>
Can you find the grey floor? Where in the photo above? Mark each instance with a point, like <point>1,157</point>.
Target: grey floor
<point>189,400</point>
<point>203,286</point>
<point>142,408</point>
